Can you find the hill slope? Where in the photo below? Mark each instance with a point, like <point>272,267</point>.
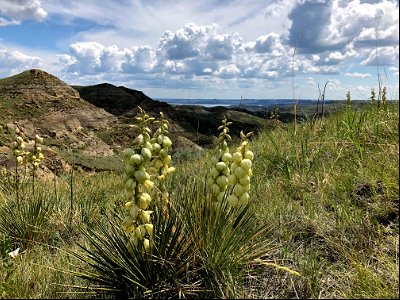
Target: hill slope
<point>39,102</point>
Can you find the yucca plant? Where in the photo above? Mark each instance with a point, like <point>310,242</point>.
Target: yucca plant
<point>226,239</point>
<point>28,222</point>
<point>122,269</point>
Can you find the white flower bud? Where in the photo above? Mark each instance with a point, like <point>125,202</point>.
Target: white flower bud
<point>149,229</point>
<point>128,152</point>
<point>149,146</point>
<point>232,179</point>
<point>238,190</point>
<point>234,166</point>
<point>38,139</point>
<point>166,142</point>
<point>167,159</point>
<point>156,147</point>
<point>136,159</point>
<point>146,245</point>
<point>128,183</point>
<point>146,153</point>
<point>226,172</point>
<point>140,232</point>
<point>170,170</point>
<point>249,155</point>
<point>244,198</point>
<point>222,181</point>
<point>144,200</point>
<point>237,157</point>
<point>240,172</point>
<point>140,175</point>
<point>213,173</point>
<point>145,215</point>
<point>246,164</point>
<point>220,166</point>
<point>245,180</point>
<point>226,157</point>
<point>232,200</point>
<point>148,184</point>
<point>163,152</point>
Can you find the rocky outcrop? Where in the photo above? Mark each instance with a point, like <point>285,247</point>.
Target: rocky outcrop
<point>40,103</point>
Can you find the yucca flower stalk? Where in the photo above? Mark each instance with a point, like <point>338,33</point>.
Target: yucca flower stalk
<point>35,158</point>
<point>241,172</point>
<point>18,151</point>
<point>161,159</point>
<point>18,147</point>
<point>137,224</point>
<point>218,175</point>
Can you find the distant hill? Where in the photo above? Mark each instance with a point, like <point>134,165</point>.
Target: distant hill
<point>117,100</point>
<point>197,124</point>
<point>88,125</point>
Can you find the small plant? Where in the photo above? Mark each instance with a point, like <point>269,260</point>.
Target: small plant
<point>275,116</point>
<point>7,265</point>
<point>373,97</point>
<point>384,98</point>
<point>348,100</point>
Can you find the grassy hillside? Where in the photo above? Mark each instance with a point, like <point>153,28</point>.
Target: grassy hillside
<point>326,198</point>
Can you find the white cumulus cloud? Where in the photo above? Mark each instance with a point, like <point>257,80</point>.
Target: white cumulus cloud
<point>15,11</point>
<point>358,75</point>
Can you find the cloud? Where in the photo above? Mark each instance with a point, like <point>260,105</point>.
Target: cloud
<point>358,75</point>
<point>13,12</point>
<point>387,56</point>
<point>12,62</point>
<point>269,43</point>
<point>185,42</point>
<point>228,71</point>
<point>309,19</point>
<point>319,26</point>
<point>139,59</point>
<point>221,47</point>
<point>91,57</point>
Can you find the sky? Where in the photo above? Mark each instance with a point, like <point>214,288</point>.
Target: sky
<point>223,49</point>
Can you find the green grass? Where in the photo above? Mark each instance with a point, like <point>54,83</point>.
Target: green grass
<point>326,199</point>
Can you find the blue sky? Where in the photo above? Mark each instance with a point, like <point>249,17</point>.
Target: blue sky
<point>208,48</point>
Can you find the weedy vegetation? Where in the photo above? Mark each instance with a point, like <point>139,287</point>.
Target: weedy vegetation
<point>305,213</point>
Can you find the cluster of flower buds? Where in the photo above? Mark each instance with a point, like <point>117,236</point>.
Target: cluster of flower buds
<point>137,184</point>
<point>161,159</point>
<point>18,146</point>
<point>241,172</point>
<point>36,157</point>
<point>219,173</point>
